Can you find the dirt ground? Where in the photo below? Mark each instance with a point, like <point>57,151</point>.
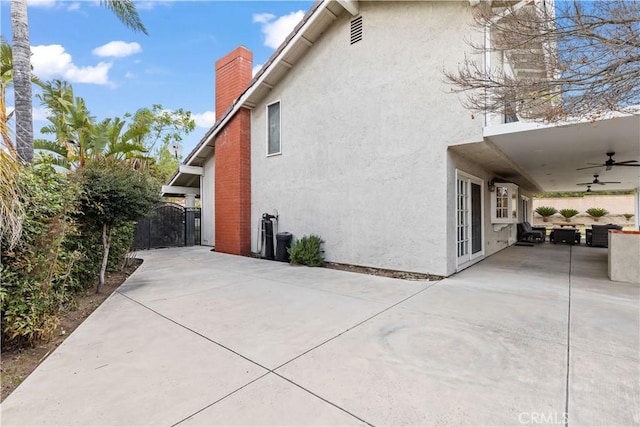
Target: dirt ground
<point>17,364</point>
<point>382,272</point>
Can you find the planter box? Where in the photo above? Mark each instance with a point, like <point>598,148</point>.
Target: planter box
<point>624,256</point>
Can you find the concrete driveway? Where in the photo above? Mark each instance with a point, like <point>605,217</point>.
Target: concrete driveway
<point>530,336</point>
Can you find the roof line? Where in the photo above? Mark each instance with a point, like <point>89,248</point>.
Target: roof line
<point>255,81</point>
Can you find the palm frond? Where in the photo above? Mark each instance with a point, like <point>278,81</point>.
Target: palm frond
<point>51,147</point>
<point>125,11</point>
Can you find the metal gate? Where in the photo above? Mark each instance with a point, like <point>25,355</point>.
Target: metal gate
<point>168,225</point>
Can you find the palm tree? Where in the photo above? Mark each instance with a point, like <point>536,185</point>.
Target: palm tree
<point>22,80</point>
<point>78,138</point>
<point>6,78</point>
<point>6,81</point>
<point>124,10</point>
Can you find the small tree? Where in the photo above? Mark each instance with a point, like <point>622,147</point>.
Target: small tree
<point>546,211</point>
<point>597,213</point>
<point>112,193</point>
<point>567,214</point>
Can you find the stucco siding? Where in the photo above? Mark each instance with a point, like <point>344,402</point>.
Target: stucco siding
<point>364,135</point>
<point>207,203</point>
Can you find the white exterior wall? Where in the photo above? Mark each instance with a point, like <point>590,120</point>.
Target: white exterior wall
<point>207,203</point>
<point>364,136</point>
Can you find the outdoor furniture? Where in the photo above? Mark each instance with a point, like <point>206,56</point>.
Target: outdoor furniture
<point>570,236</point>
<point>526,233</point>
<point>598,235</point>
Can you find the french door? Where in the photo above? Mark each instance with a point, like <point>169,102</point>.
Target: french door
<point>469,243</point>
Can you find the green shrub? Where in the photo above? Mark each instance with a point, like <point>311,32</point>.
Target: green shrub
<point>546,211</point>
<point>568,213</point>
<point>36,272</point>
<point>597,213</point>
<point>628,216</point>
<point>307,251</point>
<point>88,242</point>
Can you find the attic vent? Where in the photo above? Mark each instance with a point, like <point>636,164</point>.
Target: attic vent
<point>356,30</point>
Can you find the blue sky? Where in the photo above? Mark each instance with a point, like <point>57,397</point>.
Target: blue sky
<point>117,71</point>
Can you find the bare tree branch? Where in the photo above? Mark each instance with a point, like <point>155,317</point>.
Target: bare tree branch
<point>579,60</point>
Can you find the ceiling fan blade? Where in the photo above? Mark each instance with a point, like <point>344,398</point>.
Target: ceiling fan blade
<point>609,182</point>
<point>589,167</point>
<point>625,162</point>
<point>585,183</point>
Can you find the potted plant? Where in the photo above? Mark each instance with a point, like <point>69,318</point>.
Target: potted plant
<point>546,211</point>
<point>627,216</point>
<point>597,213</point>
<point>568,214</point>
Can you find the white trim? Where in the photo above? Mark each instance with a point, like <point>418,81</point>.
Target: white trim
<point>351,6</point>
<point>279,152</point>
<point>191,170</point>
<point>172,189</point>
<point>470,258</point>
<point>240,102</point>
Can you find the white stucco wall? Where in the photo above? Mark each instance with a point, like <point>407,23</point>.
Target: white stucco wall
<point>364,136</point>
<point>207,203</point>
<point>496,237</point>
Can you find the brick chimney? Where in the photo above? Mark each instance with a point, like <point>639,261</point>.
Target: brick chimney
<point>233,157</point>
<point>233,74</point>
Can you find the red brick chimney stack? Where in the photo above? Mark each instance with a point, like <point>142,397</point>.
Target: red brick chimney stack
<point>233,74</point>
<point>233,157</point>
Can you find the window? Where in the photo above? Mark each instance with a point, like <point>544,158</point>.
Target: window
<point>504,203</point>
<point>273,128</point>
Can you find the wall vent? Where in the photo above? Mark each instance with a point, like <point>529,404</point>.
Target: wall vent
<point>356,30</point>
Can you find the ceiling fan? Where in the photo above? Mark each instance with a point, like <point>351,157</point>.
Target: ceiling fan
<point>611,163</point>
<point>597,181</point>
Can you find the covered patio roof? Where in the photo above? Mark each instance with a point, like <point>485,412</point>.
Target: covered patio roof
<point>549,155</point>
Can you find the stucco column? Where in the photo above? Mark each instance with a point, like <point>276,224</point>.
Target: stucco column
<point>189,200</point>
<point>637,207</point>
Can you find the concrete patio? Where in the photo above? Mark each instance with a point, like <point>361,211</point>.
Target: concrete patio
<point>530,336</point>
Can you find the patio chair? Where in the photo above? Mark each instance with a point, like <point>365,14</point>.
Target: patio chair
<point>570,236</point>
<point>599,235</point>
<point>542,230</point>
<point>527,234</point>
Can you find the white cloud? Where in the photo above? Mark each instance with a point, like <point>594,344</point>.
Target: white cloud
<point>40,113</point>
<point>263,18</point>
<point>74,6</point>
<point>204,120</point>
<point>41,3</point>
<point>148,5</point>
<point>255,69</point>
<point>129,75</point>
<point>117,49</point>
<point>276,30</point>
<point>51,61</point>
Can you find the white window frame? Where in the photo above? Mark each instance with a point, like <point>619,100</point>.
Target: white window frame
<point>464,260</point>
<point>279,126</point>
<point>512,195</point>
